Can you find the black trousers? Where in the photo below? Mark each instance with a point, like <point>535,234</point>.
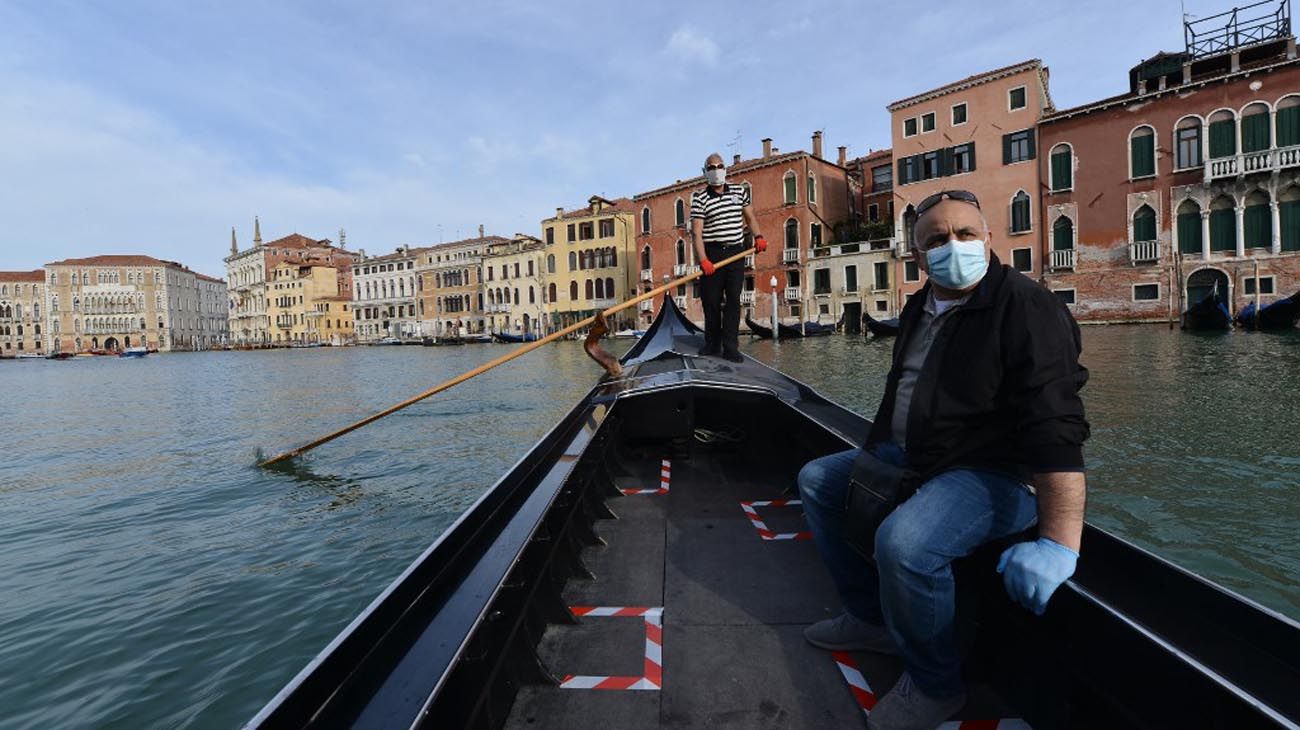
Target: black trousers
<point>722,314</point>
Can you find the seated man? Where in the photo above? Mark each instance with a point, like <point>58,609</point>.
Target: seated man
<point>982,401</point>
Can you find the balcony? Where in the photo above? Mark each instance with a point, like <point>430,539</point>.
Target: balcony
<point>749,261</point>
<point>680,302</point>
<point>1143,252</point>
<point>903,250</point>
<point>679,270</point>
<point>1249,163</point>
<point>646,306</point>
<point>747,298</point>
<point>1063,260</point>
<point>647,275</point>
<point>603,303</point>
<point>792,294</point>
<point>790,256</point>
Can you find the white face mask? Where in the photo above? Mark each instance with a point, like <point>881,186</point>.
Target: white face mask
<point>715,177</point>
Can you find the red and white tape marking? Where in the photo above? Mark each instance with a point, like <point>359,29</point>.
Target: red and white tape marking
<point>763,532</point>
<point>866,699</point>
<point>665,475</point>
<point>652,675</point>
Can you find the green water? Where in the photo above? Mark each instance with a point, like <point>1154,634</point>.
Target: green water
<point>153,577</point>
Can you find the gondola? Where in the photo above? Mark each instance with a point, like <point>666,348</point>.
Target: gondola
<point>809,329</point>
<point>1280,315</point>
<point>880,327</point>
<point>1210,313</point>
<point>511,338</point>
<point>758,330</point>
<point>642,566</point>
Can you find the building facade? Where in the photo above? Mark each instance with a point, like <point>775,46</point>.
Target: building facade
<point>978,134</point>
<point>800,200</point>
<point>451,289</point>
<point>850,279</point>
<point>590,260</point>
<point>386,295</point>
<point>514,286</point>
<point>22,304</point>
<point>306,308</point>
<point>114,302</point>
<point>247,275</point>
<point>1187,182</point>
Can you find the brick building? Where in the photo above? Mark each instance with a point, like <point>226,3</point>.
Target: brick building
<point>799,199</point>
<point>976,134</point>
<point>1188,180</point>
<point>22,300</point>
<point>873,178</point>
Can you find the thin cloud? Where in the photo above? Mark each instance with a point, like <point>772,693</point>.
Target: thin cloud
<point>690,45</point>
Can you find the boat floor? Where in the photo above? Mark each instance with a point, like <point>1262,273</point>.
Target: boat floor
<point>734,607</point>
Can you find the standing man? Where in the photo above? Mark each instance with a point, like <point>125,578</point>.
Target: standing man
<point>982,404</point>
<point>719,214</point>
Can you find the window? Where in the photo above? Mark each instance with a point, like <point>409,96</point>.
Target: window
<point>1146,292</point>
<point>1142,153</point>
<point>851,278</point>
<point>551,290</point>
<point>1018,146</point>
<point>550,235</point>
<point>815,235</point>
<point>930,165</point>
<point>958,114</point>
<point>812,188</point>
<point>1265,285</point>
<point>573,262</point>
<point>681,251</point>
<point>1255,132</point>
<point>550,263</point>
<point>880,275</point>
<point>1187,143</point>
<point>607,228</point>
<point>679,212</point>
<point>961,159</point>
<point>1144,224</point>
<point>791,189</point>
<point>1022,259</point>
<point>908,170</point>
<point>792,233</point>
<point>909,127</point>
<point>573,233</point>
<point>1066,295</point>
<point>1063,234</point>
<point>1020,215</point>
<point>821,281</point>
<point>600,288</point>
<point>1062,163</point>
<point>1258,221</point>
<point>573,291</point>
<point>1288,121</point>
<point>645,219</point>
<point>1016,98</point>
<point>873,213</point>
<point>911,271</point>
<point>645,257</point>
<point>1223,225</point>
<point>1189,228</point>
<point>1288,211</point>
<point>927,122</point>
<point>882,178</point>
<point>1223,134</point>
<point>586,231</point>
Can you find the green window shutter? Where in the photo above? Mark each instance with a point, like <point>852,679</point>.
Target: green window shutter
<point>1254,133</point>
<point>1289,215</point>
<point>1006,149</point>
<point>1063,234</point>
<point>1144,225</point>
<point>1189,233</point>
<point>1223,139</point>
<point>1288,126</point>
<point>1223,230</point>
<point>1259,226</point>
<point>971,146</point>
<point>1061,172</point>
<point>1144,155</point>
<point>945,162</point>
<point>1033,144</point>
<point>790,189</point>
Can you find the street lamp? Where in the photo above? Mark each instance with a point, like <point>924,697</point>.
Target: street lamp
<point>774,321</point>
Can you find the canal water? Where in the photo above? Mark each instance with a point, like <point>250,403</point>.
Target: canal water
<point>152,576</point>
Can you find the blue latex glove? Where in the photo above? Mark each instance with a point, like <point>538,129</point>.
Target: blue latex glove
<point>1032,571</point>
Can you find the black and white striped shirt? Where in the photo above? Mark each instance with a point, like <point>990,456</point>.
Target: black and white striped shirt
<point>723,214</point>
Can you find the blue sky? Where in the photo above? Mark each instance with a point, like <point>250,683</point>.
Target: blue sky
<point>154,127</point>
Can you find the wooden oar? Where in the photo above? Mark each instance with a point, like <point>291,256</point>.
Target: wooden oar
<point>517,352</point>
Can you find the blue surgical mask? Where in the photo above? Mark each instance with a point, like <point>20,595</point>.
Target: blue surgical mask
<point>957,264</point>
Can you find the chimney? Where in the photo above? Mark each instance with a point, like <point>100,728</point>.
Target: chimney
<point>767,147</point>
<point>844,156</point>
<point>559,213</point>
<point>480,230</point>
<point>817,144</point>
<point>257,232</point>
<point>735,159</point>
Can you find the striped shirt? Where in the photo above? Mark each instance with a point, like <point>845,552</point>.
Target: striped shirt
<point>722,213</point>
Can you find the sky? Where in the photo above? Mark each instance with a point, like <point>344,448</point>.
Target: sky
<point>131,126</point>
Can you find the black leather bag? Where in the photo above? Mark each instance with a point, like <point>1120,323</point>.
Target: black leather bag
<point>876,488</point>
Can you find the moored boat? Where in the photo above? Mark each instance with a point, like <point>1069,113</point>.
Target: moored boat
<point>60,356</point>
<point>758,330</point>
<point>1279,315</point>
<point>514,338</point>
<point>133,352</point>
<point>1210,313</point>
<point>539,608</point>
<point>880,327</point>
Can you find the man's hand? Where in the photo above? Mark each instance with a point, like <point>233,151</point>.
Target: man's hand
<point>760,244</point>
<point>1032,571</point>
<point>707,267</point>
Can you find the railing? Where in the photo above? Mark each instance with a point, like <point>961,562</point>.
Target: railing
<point>903,250</point>
<point>647,275</point>
<point>679,270</point>
<point>1142,252</point>
<point>646,306</point>
<point>680,301</point>
<point>1263,161</point>
<point>792,294</point>
<point>749,261</point>
<point>1241,26</point>
<point>1063,259</point>
<point>790,256</point>
<point>603,303</point>
<point>747,297</point>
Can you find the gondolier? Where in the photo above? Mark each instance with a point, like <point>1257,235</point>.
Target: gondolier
<point>719,214</point>
<point>981,402</point>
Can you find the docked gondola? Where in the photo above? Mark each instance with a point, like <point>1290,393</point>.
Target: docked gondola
<point>1280,315</point>
<point>513,338</point>
<point>1208,314</point>
<point>880,327</point>
<point>760,331</point>
<point>806,329</point>
<point>645,566</point>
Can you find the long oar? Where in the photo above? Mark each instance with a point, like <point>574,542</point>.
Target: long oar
<point>517,352</point>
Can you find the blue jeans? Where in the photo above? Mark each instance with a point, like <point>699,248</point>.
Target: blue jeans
<point>910,588</point>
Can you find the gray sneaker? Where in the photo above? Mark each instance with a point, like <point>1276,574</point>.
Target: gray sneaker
<point>906,707</point>
<point>846,632</point>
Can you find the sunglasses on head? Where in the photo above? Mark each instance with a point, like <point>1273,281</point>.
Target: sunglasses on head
<point>962,195</point>
<point>718,166</point>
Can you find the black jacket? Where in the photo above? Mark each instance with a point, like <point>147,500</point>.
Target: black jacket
<point>1000,386</point>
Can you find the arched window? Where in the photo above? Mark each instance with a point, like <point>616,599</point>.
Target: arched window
<point>550,263</point>
<point>613,256</point>
<point>681,251</point>
<point>812,188</point>
<point>573,261</point>
<point>1288,121</point>
<point>76,304</point>
<point>1144,224</point>
<point>1142,152</point>
<point>1187,143</point>
<point>573,291</point>
<point>1062,158</point>
<point>792,233</point>
<point>791,185</point>
<point>600,288</point>
<point>645,219</point>
<point>1288,211</point>
<point>1256,134</point>
<point>1258,216</point>
<point>1063,234</point>
<point>516,295</point>
<point>679,212</point>
<point>1223,134</point>
<point>909,225</point>
<point>551,291</point>
<point>589,289</point>
<point>1021,219</point>
<point>1189,227</point>
<point>645,257</point>
<point>609,287</point>
<point>1223,224</point>
<point>532,295</point>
